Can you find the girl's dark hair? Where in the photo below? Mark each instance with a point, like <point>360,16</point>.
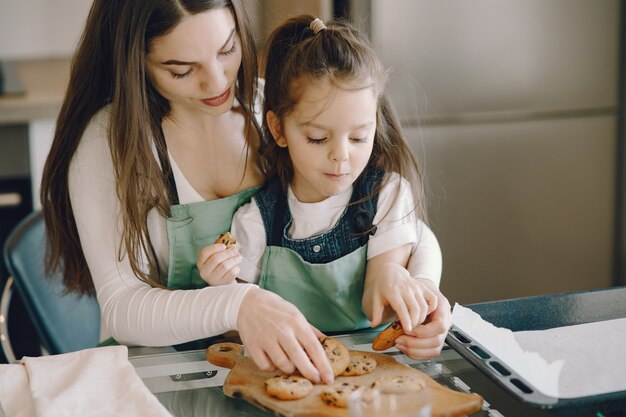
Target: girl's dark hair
<point>109,69</point>
<point>339,54</point>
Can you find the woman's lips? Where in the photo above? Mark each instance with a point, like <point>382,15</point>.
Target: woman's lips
<point>218,100</point>
<point>336,176</point>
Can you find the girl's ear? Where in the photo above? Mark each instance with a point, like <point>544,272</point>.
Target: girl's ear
<point>273,123</point>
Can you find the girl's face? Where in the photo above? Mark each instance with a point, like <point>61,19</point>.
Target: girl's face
<point>195,66</point>
<point>329,135</point>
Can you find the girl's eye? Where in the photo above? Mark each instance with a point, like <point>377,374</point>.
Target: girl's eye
<point>317,141</point>
<point>231,50</point>
<point>359,140</point>
<point>179,76</point>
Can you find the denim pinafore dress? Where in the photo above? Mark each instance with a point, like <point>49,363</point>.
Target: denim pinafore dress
<point>322,275</point>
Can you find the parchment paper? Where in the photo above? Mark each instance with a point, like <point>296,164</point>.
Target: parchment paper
<point>563,362</point>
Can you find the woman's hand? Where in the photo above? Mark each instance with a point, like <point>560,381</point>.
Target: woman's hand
<point>425,341</point>
<point>277,335</point>
<point>390,285</point>
<point>218,265</point>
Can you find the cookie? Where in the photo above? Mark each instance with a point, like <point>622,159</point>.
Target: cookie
<point>387,338</point>
<point>227,239</point>
<point>360,364</point>
<point>338,394</point>
<point>288,387</point>
<point>337,354</point>
<point>399,384</point>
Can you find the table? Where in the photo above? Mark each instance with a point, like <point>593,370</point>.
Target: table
<point>190,386</point>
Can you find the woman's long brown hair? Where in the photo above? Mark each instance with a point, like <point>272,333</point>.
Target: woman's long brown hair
<point>109,68</point>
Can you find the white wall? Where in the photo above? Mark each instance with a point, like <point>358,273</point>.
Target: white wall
<point>41,28</point>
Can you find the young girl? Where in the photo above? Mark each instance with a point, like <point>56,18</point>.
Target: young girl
<point>337,194</point>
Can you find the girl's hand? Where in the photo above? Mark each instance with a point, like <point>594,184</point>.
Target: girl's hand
<point>277,335</point>
<point>218,265</point>
<point>393,287</point>
<point>426,340</point>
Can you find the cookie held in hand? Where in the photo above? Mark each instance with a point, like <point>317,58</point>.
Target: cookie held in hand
<point>387,338</point>
<point>227,239</point>
<point>338,355</point>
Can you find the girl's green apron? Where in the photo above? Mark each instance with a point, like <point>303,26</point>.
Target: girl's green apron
<point>329,295</point>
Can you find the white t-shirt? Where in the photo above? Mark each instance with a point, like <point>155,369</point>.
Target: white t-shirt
<point>132,311</point>
<point>396,225</point>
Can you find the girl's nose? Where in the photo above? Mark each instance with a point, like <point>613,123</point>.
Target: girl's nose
<point>339,152</point>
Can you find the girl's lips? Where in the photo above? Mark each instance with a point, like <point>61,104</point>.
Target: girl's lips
<point>218,100</point>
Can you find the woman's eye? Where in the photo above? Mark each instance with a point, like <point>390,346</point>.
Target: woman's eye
<point>317,141</point>
<point>231,50</point>
<point>179,76</point>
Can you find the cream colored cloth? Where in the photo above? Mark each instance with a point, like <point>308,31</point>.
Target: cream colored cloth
<point>88,383</point>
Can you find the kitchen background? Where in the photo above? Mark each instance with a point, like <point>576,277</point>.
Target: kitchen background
<point>514,108</point>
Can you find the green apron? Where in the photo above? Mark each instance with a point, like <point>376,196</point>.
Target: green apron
<point>329,295</point>
<point>193,226</point>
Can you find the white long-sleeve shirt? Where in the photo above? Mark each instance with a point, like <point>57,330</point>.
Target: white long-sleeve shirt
<point>132,311</point>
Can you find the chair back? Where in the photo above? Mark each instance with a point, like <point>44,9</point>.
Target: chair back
<point>64,323</point>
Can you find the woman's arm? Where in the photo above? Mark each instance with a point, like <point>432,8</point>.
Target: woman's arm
<point>132,311</point>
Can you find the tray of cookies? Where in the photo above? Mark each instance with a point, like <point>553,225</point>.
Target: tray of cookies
<point>295,396</point>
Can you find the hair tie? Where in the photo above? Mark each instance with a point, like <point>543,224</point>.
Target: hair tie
<point>317,25</point>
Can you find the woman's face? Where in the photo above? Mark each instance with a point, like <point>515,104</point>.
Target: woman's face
<point>195,66</point>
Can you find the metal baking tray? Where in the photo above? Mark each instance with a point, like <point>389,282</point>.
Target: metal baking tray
<point>540,313</point>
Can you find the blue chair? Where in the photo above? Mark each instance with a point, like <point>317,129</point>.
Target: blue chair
<point>64,323</point>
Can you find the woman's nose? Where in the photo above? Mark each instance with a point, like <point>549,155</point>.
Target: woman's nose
<point>214,80</point>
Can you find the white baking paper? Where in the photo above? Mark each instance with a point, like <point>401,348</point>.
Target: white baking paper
<point>563,362</point>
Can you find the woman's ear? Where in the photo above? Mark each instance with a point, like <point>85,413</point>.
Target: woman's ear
<point>273,123</point>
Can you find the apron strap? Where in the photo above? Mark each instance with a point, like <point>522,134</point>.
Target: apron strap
<point>278,223</point>
<point>166,167</point>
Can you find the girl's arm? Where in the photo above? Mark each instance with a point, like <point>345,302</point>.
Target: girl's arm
<point>390,291</point>
<point>426,260</point>
<point>400,228</point>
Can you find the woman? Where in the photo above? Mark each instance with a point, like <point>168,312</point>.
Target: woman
<point>160,112</point>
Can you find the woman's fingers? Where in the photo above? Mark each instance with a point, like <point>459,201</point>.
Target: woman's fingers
<point>298,358</point>
<point>281,360</point>
<point>315,353</point>
<point>279,335</point>
<point>259,357</point>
